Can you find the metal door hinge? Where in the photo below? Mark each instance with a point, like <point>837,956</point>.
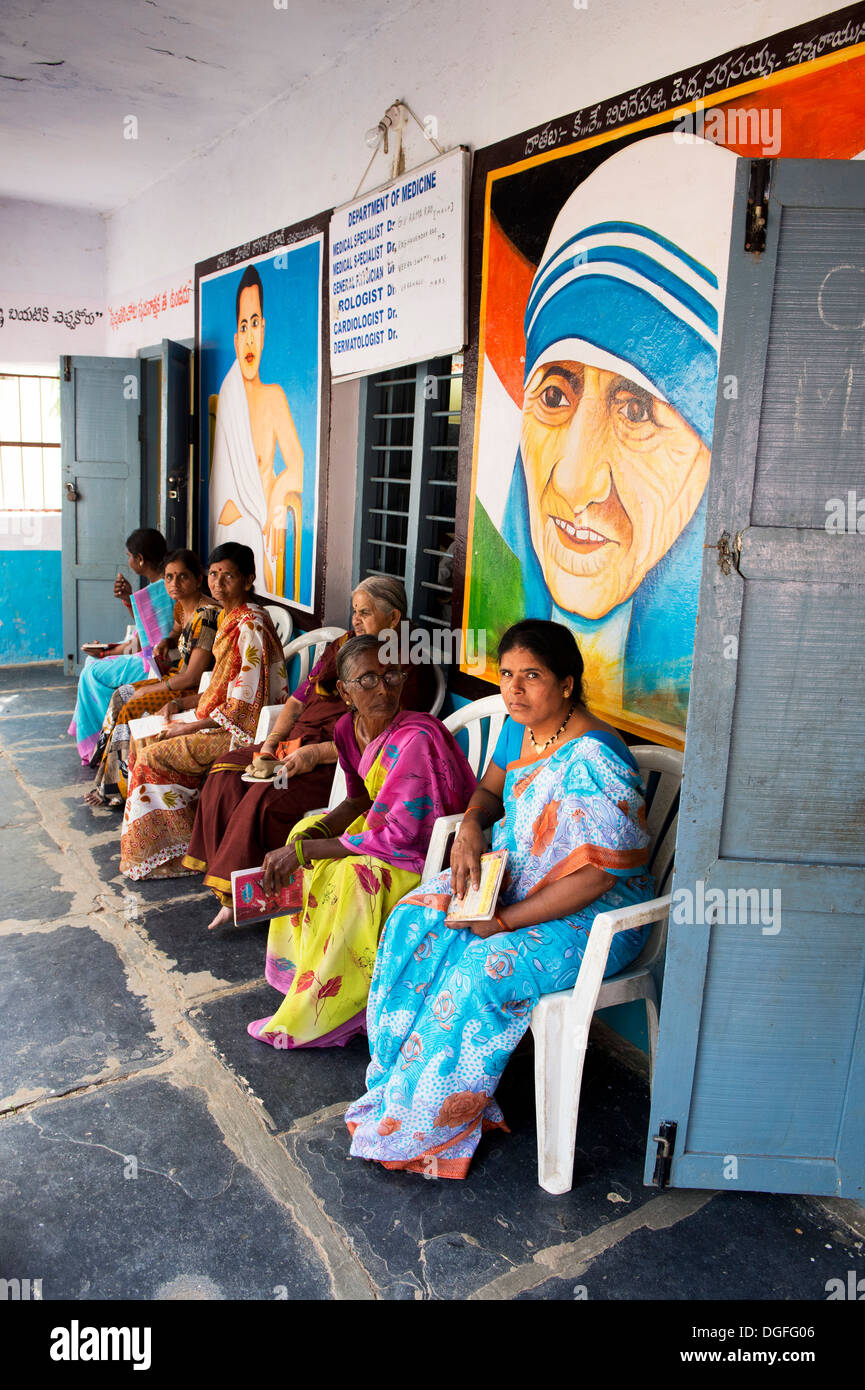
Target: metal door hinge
<point>67,368</point>
<point>666,1142</point>
<point>757,212</point>
<point>729,549</point>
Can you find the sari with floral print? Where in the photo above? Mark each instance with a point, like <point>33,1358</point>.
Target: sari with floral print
<point>166,777</point>
<point>321,955</point>
<point>446,1007</point>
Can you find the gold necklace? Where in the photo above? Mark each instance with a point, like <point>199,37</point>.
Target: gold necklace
<point>560,730</point>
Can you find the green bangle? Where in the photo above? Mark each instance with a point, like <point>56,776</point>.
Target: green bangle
<point>298,849</point>
<point>316,830</point>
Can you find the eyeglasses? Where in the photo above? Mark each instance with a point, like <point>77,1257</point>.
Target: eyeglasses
<point>370,679</point>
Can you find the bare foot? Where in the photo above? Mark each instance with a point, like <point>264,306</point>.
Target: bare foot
<point>222,918</point>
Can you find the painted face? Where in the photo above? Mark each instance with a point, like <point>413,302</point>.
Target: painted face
<point>366,618</point>
<point>227,585</point>
<point>249,338</point>
<point>382,701</point>
<point>613,477</point>
<point>532,692</point>
<point>180,582</point>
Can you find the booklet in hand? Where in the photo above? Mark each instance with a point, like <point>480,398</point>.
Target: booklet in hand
<point>151,724</point>
<point>252,904</point>
<point>479,904</point>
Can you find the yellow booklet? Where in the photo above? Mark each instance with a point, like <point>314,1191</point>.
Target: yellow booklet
<point>479,904</point>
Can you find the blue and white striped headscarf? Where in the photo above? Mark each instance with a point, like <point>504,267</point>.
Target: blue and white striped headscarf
<point>633,276</point>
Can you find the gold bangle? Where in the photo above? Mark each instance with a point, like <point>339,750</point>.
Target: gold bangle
<point>469,809</point>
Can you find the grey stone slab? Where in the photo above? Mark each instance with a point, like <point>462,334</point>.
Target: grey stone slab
<point>194,1220</point>
<point>32,890</point>
<point>77,816</point>
<point>31,730</point>
<point>35,675</point>
<point>49,768</point>
<point>67,1013</point>
<point>57,699</point>
<point>179,928</point>
<point>291,1083</point>
<point>15,804</point>
<point>444,1239</point>
<point>742,1245</point>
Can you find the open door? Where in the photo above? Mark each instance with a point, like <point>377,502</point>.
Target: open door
<point>760,1076</point>
<point>101,493</point>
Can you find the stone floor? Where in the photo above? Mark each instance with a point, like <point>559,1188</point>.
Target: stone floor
<point>150,1149</point>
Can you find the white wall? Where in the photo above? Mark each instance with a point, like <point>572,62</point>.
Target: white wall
<point>54,259</point>
<point>484,68</point>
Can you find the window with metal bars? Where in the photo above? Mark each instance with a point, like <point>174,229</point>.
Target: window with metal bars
<point>29,443</point>
<point>404,527</point>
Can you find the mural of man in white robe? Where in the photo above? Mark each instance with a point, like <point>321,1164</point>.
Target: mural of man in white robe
<point>249,501</point>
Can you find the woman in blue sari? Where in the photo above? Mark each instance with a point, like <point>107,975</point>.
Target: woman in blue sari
<point>145,551</point>
<point>448,1005</point>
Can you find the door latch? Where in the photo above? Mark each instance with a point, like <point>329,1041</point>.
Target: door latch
<point>666,1142</point>
<point>72,493</point>
<point>758,205</point>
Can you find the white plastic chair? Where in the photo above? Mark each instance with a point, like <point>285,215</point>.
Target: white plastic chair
<point>282,621</point>
<point>560,1022</point>
<point>489,711</point>
<point>309,647</point>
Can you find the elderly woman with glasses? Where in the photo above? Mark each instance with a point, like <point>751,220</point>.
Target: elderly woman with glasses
<point>347,869</point>
<point>237,822</point>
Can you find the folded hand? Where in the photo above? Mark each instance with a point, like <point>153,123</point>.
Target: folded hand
<point>279,865</point>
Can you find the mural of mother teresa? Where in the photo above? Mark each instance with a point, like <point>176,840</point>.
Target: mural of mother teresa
<point>606,506</point>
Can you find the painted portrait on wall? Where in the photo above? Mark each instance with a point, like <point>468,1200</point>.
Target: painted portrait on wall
<point>599,271</point>
<point>262,399</point>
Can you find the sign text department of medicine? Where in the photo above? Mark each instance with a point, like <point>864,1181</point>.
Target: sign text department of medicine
<point>397,271</point>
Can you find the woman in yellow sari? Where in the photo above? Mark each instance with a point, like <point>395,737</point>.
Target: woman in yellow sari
<point>349,868</point>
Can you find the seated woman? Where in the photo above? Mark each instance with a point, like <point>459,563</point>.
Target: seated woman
<point>168,771</point>
<point>402,771</point>
<point>448,1005</point>
<point>236,822</point>
<point>100,678</point>
<point>195,616</point>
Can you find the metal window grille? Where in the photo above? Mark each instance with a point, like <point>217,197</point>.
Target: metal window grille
<point>408,481</point>
<point>29,443</point>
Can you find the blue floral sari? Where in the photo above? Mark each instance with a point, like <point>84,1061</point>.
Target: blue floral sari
<point>446,1007</point>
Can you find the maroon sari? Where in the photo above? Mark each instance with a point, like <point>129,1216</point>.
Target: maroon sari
<point>237,822</point>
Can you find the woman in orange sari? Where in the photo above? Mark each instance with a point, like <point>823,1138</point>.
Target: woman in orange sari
<point>168,772</point>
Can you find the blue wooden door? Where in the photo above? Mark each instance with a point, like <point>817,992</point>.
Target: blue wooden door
<point>101,494</point>
<point>761,1061</point>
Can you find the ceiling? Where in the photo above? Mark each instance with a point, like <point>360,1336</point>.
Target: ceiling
<point>72,73</point>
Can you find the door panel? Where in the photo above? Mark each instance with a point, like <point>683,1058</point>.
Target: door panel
<point>762,1034</point>
<point>101,501</point>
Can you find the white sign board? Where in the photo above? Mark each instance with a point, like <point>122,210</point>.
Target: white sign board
<point>397,271</point>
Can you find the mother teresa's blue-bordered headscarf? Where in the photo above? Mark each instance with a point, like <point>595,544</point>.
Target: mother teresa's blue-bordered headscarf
<point>632,278</point>
<point>632,281</point>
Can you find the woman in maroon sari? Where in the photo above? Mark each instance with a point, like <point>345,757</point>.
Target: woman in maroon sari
<point>237,822</point>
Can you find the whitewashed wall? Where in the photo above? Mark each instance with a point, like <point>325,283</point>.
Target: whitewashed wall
<point>53,262</point>
<point>484,69</point>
